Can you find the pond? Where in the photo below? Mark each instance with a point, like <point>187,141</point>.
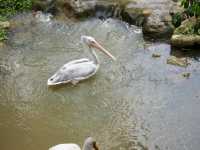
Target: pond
<point>136,103</point>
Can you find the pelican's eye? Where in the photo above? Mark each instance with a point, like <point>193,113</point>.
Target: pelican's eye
<point>51,79</point>
<point>92,42</point>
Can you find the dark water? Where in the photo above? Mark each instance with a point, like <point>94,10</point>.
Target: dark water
<point>136,103</point>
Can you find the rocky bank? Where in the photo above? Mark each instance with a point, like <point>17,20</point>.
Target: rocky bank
<point>153,15</point>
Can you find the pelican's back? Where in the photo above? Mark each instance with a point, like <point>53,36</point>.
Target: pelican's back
<point>75,70</point>
<point>65,147</point>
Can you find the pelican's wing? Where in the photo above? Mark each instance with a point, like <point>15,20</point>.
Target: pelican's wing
<point>77,61</point>
<point>65,147</point>
<point>78,70</point>
<point>71,72</point>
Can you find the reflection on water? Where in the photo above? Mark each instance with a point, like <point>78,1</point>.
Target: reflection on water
<point>138,102</point>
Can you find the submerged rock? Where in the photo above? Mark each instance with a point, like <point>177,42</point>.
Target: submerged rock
<point>186,75</point>
<point>43,17</point>
<point>156,55</point>
<point>182,62</point>
<point>1,44</point>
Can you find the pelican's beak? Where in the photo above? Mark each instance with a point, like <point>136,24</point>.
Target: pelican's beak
<point>101,48</point>
<point>95,146</point>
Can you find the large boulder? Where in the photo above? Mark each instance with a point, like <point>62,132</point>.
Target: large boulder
<point>185,40</point>
<point>155,15</point>
<point>135,15</point>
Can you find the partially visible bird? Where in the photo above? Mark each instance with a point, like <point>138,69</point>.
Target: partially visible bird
<point>80,69</point>
<point>89,144</point>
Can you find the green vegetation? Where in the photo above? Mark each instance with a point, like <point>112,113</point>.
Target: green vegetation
<point>192,14</point>
<point>189,26</point>
<point>177,19</point>
<point>3,34</point>
<point>9,8</point>
<point>192,7</point>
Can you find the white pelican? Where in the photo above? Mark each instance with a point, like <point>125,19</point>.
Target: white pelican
<point>89,144</point>
<point>80,69</point>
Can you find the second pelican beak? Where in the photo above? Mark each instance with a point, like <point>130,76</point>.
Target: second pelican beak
<point>101,48</point>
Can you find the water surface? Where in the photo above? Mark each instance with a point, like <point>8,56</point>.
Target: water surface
<point>137,102</point>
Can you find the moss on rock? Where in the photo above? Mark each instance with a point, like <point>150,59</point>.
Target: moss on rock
<point>188,34</point>
<point>189,26</point>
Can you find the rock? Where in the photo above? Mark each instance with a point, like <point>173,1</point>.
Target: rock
<point>101,9</point>
<point>156,28</point>
<point>186,26</point>
<point>186,75</point>
<point>185,40</point>
<point>183,37</point>
<point>182,62</point>
<point>1,44</point>
<point>43,17</point>
<point>4,24</point>
<point>155,55</point>
<point>154,15</point>
<point>44,5</point>
<point>81,6</point>
<point>76,7</point>
<point>135,15</point>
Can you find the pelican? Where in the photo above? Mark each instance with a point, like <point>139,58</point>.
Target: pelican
<point>89,144</point>
<point>80,69</point>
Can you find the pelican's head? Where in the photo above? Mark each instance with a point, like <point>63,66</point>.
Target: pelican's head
<point>90,144</point>
<point>91,42</point>
<point>87,39</point>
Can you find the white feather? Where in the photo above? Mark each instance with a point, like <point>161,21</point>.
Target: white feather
<point>65,147</point>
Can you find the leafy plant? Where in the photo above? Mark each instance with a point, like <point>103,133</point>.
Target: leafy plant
<point>177,19</point>
<point>10,7</point>
<point>192,7</point>
<point>3,34</point>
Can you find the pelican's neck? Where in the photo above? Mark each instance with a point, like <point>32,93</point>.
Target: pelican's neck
<point>87,146</point>
<point>94,55</point>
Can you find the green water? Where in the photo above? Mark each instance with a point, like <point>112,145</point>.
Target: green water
<point>135,103</point>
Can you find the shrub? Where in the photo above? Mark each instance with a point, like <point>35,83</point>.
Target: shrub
<point>177,19</point>
<point>10,7</point>
<point>192,7</point>
<point>3,34</point>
